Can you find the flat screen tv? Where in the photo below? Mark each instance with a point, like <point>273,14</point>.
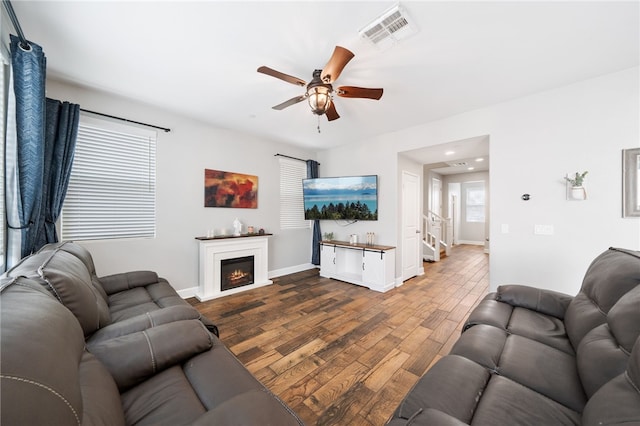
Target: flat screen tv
<point>341,198</point>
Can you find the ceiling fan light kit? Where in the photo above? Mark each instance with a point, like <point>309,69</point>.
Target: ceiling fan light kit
<point>319,92</point>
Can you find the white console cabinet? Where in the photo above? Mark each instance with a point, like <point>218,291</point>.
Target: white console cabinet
<point>370,266</point>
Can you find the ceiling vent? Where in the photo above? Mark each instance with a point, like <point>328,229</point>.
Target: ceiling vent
<point>389,28</point>
<point>457,164</point>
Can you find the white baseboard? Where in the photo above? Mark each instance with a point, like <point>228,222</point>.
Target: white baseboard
<point>474,243</point>
<point>291,270</point>
<point>186,293</point>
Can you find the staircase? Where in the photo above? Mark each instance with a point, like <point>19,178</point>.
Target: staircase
<point>437,236</point>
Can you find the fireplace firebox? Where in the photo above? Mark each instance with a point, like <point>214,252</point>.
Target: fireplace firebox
<point>236,272</point>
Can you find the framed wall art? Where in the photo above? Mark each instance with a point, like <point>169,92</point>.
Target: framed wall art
<point>228,189</point>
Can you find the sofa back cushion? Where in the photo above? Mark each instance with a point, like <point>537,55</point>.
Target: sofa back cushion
<point>604,352</point>
<point>85,256</point>
<point>47,376</point>
<point>618,401</point>
<point>610,276</point>
<point>68,279</point>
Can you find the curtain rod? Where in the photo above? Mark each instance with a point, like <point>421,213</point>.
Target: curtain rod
<point>125,119</point>
<point>16,25</point>
<point>293,158</point>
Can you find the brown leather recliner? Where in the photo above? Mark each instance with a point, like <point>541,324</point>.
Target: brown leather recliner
<point>529,356</point>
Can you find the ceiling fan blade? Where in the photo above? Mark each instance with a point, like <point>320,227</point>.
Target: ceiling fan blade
<point>282,76</point>
<point>336,64</point>
<point>331,113</point>
<point>290,102</point>
<point>359,92</point>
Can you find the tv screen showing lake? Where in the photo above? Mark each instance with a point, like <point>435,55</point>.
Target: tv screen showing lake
<point>350,198</point>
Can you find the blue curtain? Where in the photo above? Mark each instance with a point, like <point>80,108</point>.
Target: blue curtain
<point>312,172</point>
<point>61,131</point>
<point>25,149</point>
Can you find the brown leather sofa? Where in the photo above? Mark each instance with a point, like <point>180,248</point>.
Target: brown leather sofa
<point>529,356</point>
<point>122,349</point>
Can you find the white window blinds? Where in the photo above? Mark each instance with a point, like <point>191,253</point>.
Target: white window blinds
<point>291,204</point>
<point>112,188</point>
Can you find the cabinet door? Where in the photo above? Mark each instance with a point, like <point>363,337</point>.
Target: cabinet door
<point>327,260</point>
<point>373,270</point>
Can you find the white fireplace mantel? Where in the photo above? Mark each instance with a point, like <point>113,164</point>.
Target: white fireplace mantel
<point>214,250</point>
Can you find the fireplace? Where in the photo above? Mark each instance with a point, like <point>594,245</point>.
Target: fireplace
<point>215,251</point>
<point>236,272</point>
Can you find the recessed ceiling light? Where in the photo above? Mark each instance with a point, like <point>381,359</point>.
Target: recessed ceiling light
<point>449,153</point>
<point>470,168</point>
<point>479,159</point>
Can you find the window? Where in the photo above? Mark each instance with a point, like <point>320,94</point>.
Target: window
<point>475,203</point>
<point>291,204</point>
<point>112,188</point>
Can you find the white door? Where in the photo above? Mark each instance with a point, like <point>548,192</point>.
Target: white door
<point>410,225</point>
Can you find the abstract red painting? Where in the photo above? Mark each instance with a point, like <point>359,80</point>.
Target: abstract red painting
<point>227,189</point>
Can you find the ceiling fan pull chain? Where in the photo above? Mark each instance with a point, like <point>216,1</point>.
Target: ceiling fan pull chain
<point>318,124</point>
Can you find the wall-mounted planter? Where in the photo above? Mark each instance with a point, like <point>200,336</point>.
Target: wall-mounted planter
<point>575,190</point>
<point>578,193</point>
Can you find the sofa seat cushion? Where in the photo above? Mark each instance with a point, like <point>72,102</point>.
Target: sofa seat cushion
<point>140,300</point>
<point>544,369</point>
<point>464,391</point>
<point>213,381</point>
<point>166,398</point>
<point>524,322</point>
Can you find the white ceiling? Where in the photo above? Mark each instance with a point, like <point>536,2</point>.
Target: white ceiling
<point>199,59</point>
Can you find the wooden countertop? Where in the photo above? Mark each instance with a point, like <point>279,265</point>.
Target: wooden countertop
<point>358,245</point>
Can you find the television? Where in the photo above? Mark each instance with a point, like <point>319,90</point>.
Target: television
<point>341,198</point>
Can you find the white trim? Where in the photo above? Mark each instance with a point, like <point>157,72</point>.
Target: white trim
<point>291,270</point>
<point>187,293</point>
<point>474,243</point>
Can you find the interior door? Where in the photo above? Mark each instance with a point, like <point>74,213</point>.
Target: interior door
<point>410,225</point>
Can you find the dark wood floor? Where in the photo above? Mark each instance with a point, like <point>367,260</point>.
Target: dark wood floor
<point>340,354</point>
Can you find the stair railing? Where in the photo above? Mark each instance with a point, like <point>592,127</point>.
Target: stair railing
<point>438,234</point>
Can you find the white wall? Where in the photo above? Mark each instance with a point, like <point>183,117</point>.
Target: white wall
<point>535,141</point>
<point>182,156</point>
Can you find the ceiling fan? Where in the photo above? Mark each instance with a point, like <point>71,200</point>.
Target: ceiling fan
<point>319,90</point>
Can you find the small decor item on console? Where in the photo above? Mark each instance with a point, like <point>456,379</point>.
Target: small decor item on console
<point>237,227</point>
<point>370,238</point>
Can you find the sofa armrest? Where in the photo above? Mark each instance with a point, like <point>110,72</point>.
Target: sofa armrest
<point>151,351</point>
<point>124,281</point>
<point>144,321</point>
<point>540,300</point>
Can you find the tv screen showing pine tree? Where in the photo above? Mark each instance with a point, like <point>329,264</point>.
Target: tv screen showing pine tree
<point>341,198</point>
